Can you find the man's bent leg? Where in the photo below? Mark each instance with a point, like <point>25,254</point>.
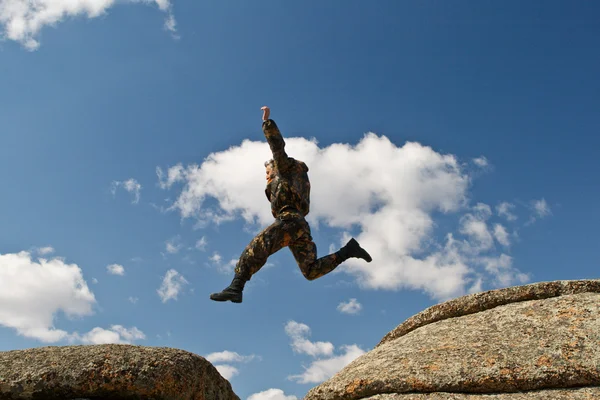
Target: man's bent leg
<point>305,253</point>
<point>254,256</point>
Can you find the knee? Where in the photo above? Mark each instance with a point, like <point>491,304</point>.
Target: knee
<point>307,274</point>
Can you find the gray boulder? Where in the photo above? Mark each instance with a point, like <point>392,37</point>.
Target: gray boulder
<point>110,372</point>
<point>536,341</point>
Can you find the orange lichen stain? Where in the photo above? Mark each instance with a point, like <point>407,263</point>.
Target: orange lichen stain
<point>490,362</point>
<point>417,384</point>
<point>432,367</point>
<point>544,361</point>
<point>356,385</point>
<point>569,312</point>
<point>446,347</point>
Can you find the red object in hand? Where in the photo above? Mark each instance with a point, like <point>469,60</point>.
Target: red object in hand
<point>266,112</point>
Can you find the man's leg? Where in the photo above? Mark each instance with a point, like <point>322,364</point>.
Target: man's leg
<point>255,255</point>
<point>305,253</point>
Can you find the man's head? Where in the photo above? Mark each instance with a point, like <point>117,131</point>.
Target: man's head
<point>270,167</point>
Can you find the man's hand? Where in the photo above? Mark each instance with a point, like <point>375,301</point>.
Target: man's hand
<point>266,113</point>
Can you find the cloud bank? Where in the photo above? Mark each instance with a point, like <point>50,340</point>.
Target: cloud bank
<point>23,20</point>
<point>384,195</point>
<point>33,292</point>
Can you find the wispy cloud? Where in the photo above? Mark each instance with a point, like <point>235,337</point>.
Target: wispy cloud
<point>223,267</point>
<point>481,162</point>
<point>23,20</point>
<point>172,284</point>
<point>130,185</point>
<point>320,369</point>
<point>505,209</point>
<point>541,208</point>
<point>201,244</point>
<point>45,250</point>
<point>173,245</point>
<point>501,235</point>
<point>350,307</point>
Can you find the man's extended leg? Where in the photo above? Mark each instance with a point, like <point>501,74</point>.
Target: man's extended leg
<point>255,255</point>
<point>305,253</point>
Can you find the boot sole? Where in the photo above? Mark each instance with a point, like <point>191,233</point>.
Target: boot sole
<point>223,300</point>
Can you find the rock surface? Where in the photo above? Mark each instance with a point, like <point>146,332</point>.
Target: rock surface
<point>110,372</point>
<point>530,338</point>
<point>559,394</point>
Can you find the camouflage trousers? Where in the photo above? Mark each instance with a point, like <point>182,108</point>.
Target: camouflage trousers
<point>287,231</point>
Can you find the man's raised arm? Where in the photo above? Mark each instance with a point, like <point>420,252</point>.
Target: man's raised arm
<point>275,140</point>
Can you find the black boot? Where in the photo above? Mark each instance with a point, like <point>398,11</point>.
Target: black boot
<point>233,292</point>
<point>353,250</point>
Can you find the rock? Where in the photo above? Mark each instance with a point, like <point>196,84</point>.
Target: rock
<point>560,394</point>
<point>110,372</point>
<point>534,339</point>
<point>486,300</point>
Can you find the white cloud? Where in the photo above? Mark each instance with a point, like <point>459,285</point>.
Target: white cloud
<point>351,307</point>
<point>133,300</point>
<point>321,370</point>
<point>504,209</point>
<point>201,244</point>
<point>298,332</point>
<point>481,162</point>
<point>541,208</point>
<point>32,292</point>
<point>130,185</point>
<point>504,273</point>
<point>116,334</point>
<point>115,269</point>
<point>271,394</point>
<point>215,258</point>
<point>45,250</point>
<point>389,194</point>
<point>227,371</point>
<point>225,268</point>
<point>474,226</point>
<point>173,245</point>
<point>174,174</point>
<point>23,20</point>
<point>501,235</point>
<point>172,284</point>
<point>228,357</point>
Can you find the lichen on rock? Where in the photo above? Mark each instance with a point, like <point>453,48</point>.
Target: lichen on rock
<point>112,371</point>
<point>512,343</point>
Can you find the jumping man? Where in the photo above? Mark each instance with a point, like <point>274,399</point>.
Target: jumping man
<point>288,190</point>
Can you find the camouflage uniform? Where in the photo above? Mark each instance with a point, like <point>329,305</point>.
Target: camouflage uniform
<point>288,190</point>
<point>289,194</point>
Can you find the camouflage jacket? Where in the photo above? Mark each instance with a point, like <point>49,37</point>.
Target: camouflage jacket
<point>289,190</point>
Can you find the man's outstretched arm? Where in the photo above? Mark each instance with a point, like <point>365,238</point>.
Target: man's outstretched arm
<point>275,140</point>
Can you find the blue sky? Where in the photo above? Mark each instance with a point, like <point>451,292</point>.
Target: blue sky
<point>457,141</point>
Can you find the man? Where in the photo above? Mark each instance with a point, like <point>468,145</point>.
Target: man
<point>288,190</point>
